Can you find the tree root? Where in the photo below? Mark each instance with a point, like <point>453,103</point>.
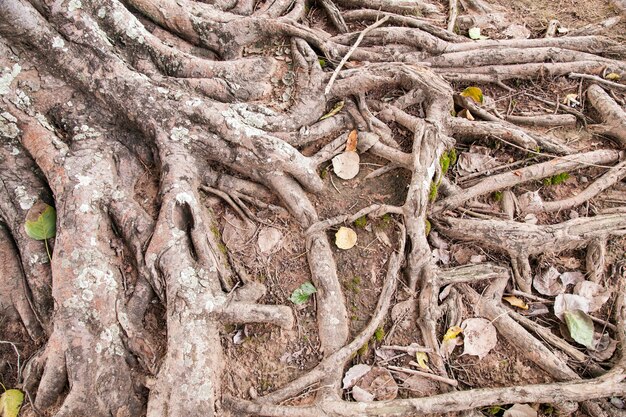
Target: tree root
<point>226,140</point>
<point>531,173</point>
<point>614,118</point>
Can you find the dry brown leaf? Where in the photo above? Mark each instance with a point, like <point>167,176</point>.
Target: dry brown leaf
<point>351,143</point>
<point>359,394</point>
<point>604,347</point>
<point>380,383</point>
<point>474,162</point>
<point>479,337</point>
<point>270,240</point>
<point>595,293</point>
<point>572,277</point>
<point>548,283</point>
<point>465,114</point>
<point>354,374</point>
<point>346,165</point>
<point>345,238</point>
<point>570,302</point>
<point>516,302</point>
<point>520,410</point>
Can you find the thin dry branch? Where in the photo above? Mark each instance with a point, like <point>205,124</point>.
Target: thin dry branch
<point>351,51</point>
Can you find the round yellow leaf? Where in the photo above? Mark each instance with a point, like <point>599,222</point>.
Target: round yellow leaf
<point>345,238</point>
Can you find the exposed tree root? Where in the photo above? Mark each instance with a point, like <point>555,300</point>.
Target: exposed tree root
<point>211,125</point>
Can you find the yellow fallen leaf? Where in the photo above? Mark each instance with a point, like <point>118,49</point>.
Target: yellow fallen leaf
<point>613,76</point>
<point>345,238</point>
<point>352,141</point>
<point>11,402</point>
<point>422,359</point>
<point>474,93</point>
<point>452,332</point>
<point>516,302</point>
<point>336,109</point>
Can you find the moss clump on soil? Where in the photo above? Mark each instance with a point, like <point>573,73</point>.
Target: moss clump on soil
<point>361,222</point>
<point>556,179</point>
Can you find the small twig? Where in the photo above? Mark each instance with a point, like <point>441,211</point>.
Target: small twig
<point>434,377</point>
<point>529,296</point>
<point>411,349</point>
<point>603,322</point>
<point>17,352</point>
<point>351,51</point>
<point>598,80</point>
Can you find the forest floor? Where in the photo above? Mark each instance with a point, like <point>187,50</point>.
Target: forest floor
<point>262,358</point>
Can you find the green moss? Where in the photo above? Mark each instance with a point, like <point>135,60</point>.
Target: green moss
<point>386,219</point>
<point>453,156</point>
<point>379,334</point>
<point>428,226</point>
<point>432,194</point>
<point>497,196</point>
<point>222,248</point>
<point>216,232</point>
<point>556,179</point>
<point>361,222</point>
<point>322,62</point>
<point>354,285</point>
<point>363,349</point>
<point>444,162</point>
<point>324,173</point>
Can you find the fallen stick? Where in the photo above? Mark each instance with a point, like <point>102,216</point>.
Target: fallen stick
<point>351,51</point>
<point>434,377</point>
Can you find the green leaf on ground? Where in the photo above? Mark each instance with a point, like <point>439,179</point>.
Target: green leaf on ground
<point>580,327</point>
<point>302,294</point>
<point>10,402</point>
<point>41,222</point>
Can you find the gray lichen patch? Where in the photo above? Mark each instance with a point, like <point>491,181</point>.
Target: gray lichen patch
<point>242,124</point>
<point>7,77</point>
<point>25,200</point>
<point>134,29</point>
<point>59,43</point>
<point>8,128</point>
<point>180,134</point>
<point>74,5</point>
